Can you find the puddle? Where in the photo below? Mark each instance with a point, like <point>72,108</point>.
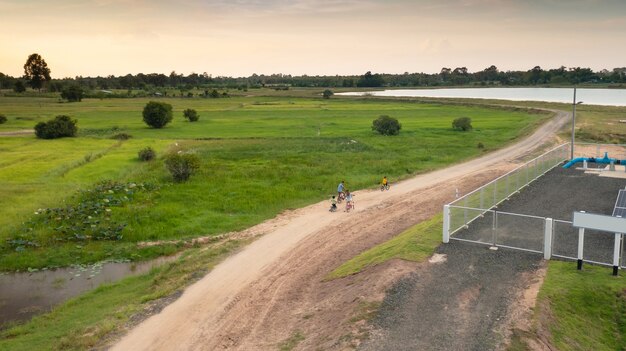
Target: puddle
<point>24,295</point>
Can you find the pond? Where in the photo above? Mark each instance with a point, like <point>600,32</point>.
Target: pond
<point>24,295</point>
<point>606,97</point>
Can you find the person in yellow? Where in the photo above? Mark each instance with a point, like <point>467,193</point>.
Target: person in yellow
<point>384,184</point>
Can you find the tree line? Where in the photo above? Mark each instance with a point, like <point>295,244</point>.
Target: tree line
<point>37,76</point>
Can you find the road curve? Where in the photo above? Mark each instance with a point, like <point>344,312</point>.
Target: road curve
<point>188,321</point>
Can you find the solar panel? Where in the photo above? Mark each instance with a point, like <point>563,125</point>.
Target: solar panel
<point>620,205</point>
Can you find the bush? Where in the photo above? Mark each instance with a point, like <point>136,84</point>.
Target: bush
<point>3,118</point>
<point>157,114</point>
<point>480,145</point>
<point>147,154</point>
<point>327,94</point>
<point>191,115</point>
<point>182,166</point>
<point>121,136</point>
<point>19,87</point>
<point>462,123</point>
<point>59,127</point>
<point>386,125</point>
<point>73,93</point>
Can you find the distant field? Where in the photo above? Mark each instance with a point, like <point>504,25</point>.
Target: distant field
<point>260,156</point>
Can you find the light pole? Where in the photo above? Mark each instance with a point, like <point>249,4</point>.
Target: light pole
<point>574,103</point>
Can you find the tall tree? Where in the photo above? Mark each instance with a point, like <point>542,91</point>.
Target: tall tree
<point>36,71</point>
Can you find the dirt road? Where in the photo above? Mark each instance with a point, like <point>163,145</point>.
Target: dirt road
<point>274,289</point>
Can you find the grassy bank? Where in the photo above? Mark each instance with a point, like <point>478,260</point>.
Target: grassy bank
<point>259,156</point>
<point>414,244</point>
<point>578,310</point>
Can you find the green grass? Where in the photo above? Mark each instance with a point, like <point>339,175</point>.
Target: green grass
<point>260,156</point>
<point>291,342</point>
<point>583,310</point>
<point>85,321</point>
<point>414,244</point>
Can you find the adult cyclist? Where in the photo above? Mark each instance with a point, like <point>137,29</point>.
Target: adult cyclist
<point>340,194</point>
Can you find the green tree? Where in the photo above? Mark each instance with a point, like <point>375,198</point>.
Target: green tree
<point>386,125</point>
<point>370,80</point>
<point>157,114</point>
<point>59,127</point>
<point>191,115</point>
<point>462,123</point>
<point>73,93</point>
<point>3,118</point>
<point>327,94</point>
<point>36,71</point>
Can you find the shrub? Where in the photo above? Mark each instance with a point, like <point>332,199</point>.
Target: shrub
<point>59,127</point>
<point>122,136</point>
<point>191,115</point>
<point>480,145</point>
<point>157,114</point>
<point>327,94</point>
<point>462,123</point>
<point>3,118</point>
<point>182,165</point>
<point>386,125</point>
<point>73,93</point>
<point>19,87</point>
<point>147,154</point>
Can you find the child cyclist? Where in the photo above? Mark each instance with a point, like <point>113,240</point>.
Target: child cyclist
<point>384,184</point>
<point>349,201</point>
<point>333,204</point>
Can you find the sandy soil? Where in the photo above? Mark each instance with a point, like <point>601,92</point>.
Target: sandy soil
<point>274,289</point>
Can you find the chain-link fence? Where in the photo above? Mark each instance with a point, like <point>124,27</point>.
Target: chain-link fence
<point>475,216</point>
<point>474,205</point>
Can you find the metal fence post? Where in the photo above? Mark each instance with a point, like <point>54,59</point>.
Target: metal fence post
<point>494,227</point>
<point>547,239</point>
<point>616,252</point>
<point>581,244</point>
<point>482,198</point>
<point>495,190</point>
<point>446,224</point>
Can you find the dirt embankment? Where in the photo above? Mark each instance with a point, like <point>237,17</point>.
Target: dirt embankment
<point>274,289</point>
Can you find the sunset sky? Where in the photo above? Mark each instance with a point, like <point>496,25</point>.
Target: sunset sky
<point>314,37</point>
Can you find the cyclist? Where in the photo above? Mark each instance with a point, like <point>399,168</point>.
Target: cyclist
<point>333,204</point>
<point>349,201</point>
<point>385,182</point>
<point>340,190</point>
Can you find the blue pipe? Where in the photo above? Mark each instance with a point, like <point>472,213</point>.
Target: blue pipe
<point>605,160</point>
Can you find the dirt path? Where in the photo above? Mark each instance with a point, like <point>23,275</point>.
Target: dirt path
<point>17,132</point>
<point>274,290</point>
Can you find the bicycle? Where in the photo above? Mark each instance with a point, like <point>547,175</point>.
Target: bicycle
<point>340,197</point>
<point>349,206</point>
<point>384,187</point>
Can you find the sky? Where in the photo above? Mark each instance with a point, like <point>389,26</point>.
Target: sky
<point>313,37</point>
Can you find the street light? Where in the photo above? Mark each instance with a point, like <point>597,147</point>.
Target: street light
<point>574,103</point>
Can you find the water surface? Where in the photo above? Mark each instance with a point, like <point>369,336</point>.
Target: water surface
<point>24,295</point>
<point>606,97</point>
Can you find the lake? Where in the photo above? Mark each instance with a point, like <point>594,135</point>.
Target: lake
<point>606,97</point>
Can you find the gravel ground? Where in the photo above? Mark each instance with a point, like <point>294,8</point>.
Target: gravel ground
<point>557,195</point>
<point>456,305</point>
<point>459,304</point>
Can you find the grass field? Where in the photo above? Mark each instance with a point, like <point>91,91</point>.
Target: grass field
<point>260,156</point>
